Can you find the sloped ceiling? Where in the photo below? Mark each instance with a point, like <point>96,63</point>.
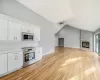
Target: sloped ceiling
<point>82,14</point>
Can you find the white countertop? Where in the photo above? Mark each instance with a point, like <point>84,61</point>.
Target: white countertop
<point>9,51</point>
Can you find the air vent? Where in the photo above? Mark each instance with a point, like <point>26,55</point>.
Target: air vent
<point>61,23</point>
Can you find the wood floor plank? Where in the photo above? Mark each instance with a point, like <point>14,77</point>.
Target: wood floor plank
<point>63,64</point>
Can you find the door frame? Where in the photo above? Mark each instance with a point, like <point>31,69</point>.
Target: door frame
<point>63,42</point>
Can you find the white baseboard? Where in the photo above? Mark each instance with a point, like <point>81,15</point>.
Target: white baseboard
<point>49,52</point>
<point>72,47</point>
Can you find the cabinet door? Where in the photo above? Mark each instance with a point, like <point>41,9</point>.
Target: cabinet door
<point>3,63</point>
<point>15,61</point>
<point>32,27</point>
<point>3,29</point>
<point>37,34</point>
<point>26,28</point>
<point>19,59</point>
<point>11,62</point>
<point>38,53</point>
<point>14,31</point>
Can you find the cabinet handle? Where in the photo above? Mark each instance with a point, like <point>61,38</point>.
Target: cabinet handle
<point>16,57</point>
<point>15,53</point>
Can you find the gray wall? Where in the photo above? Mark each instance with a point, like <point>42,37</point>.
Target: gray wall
<point>87,36</point>
<point>71,36</point>
<point>96,48</point>
<point>74,36</point>
<point>17,10</point>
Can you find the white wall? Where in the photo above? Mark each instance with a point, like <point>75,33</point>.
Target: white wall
<point>71,36</point>
<point>17,10</point>
<point>56,40</point>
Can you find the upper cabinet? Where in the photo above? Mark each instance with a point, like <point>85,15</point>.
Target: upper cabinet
<point>3,29</point>
<point>14,31</point>
<point>37,33</point>
<point>27,28</point>
<point>30,28</point>
<point>11,29</point>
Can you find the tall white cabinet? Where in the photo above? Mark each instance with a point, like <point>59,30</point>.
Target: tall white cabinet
<point>3,29</point>
<point>3,64</point>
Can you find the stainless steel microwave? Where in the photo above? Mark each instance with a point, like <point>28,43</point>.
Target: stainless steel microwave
<point>27,36</point>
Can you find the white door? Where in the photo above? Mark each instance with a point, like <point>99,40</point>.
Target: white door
<point>3,63</point>
<point>3,29</point>
<point>14,31</point>
<point>15,61</point>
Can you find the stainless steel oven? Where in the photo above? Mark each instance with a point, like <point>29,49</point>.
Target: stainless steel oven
<point>27,36</point>
<point>29,55</point>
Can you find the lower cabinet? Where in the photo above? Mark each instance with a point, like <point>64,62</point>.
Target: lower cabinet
<point>3,64</point>
<point>15,61</point>
<point>10,62</point>
<point>38,53</point>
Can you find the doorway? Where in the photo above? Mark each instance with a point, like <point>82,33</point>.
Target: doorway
<point>61,42</point>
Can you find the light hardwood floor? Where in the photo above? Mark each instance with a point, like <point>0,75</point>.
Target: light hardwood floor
<point>64,64</point>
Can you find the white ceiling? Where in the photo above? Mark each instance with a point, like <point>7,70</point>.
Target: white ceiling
<point>82,14</point>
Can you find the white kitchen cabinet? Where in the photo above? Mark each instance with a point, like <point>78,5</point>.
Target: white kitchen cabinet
<point>15,61</point>
<point>14,31</point>
<point>38,53</point>
<point>3,64</point>
<point>37,34</point>
<point>27,28</point>
<point>3,29</point>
